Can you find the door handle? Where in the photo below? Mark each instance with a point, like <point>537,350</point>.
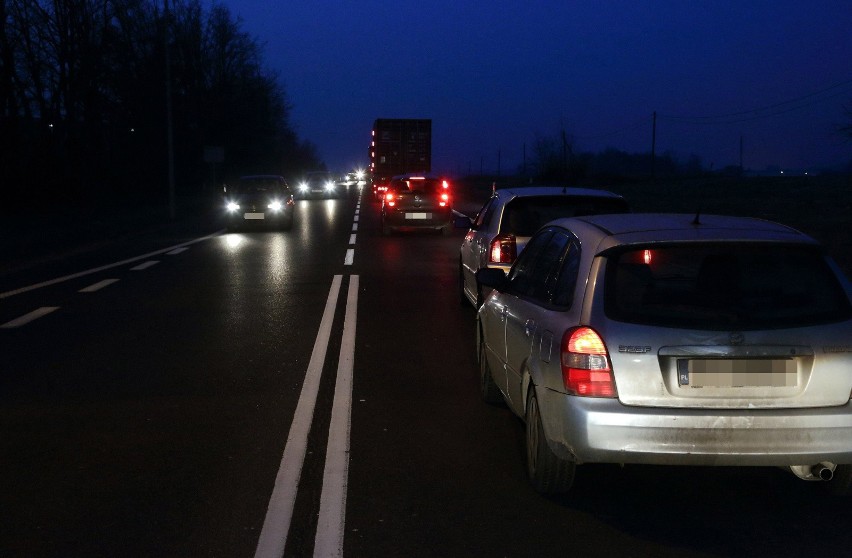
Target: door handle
<point>529,327</point>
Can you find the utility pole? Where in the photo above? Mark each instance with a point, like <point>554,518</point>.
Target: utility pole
<point>654,145</point>
<point>170,143</point>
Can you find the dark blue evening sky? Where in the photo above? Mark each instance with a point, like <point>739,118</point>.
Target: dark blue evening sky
<point>494,75</point>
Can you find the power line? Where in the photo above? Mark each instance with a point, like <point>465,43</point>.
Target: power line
<point>767,111</point>
<point>642,122</point>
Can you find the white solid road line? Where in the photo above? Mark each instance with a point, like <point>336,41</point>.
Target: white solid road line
<point>332,513</point>
<point>98,286</point>
<point>279,513</point>
<point>27,318</point>
<point>14,292</point>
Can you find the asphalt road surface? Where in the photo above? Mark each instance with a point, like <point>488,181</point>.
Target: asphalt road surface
<point>314,392</point>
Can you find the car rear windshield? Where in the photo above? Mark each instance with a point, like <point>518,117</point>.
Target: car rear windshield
<point>743,286</point>
<point>425,186</point>
<point>525,215</point>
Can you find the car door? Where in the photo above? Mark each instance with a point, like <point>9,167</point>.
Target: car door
<point>475,246</point>
<point>515,305</point>
<point>531,307</point>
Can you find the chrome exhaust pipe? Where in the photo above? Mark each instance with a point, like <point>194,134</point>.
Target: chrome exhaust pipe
<point>822,472</point>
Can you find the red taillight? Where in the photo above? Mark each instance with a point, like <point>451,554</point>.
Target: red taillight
<point>445,184</point>
<point>445,200</point>
<point>503,249</point>
<point>389,199</point>
<point>585,364</point>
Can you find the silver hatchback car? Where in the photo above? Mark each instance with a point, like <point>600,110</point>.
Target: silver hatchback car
<point>508,219</point>
<point>672,340</point>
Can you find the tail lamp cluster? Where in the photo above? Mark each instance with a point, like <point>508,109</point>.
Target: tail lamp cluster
<point>503,249</point>
<point>586,367</point>
<point>443,198</point>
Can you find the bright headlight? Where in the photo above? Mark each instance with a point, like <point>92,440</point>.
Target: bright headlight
<point>233,206</point>
<point>329,185</point>
<point>275,206</point>
<point>303,186</point>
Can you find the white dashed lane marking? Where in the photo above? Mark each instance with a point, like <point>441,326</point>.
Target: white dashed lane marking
<point>27,318</point>
<point>145,265</point>
<point>98,286</point>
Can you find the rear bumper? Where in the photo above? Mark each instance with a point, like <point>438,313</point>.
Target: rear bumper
<point>601,430</point>
<point>417,218</point>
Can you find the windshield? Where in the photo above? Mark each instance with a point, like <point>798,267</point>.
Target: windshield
<point>257,186</point>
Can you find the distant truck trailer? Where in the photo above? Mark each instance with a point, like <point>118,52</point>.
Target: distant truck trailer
<point>399,146</point>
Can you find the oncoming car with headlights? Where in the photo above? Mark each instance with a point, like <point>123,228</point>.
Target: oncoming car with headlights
<point>672,340</point>
<point>259,200</point>
<point>317,184</point>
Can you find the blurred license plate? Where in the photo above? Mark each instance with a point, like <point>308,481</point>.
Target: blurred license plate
<point>254,215</point>
<point>418,215</point>
<point>737,372</point>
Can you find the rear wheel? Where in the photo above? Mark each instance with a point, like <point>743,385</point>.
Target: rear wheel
<point>548,473</point>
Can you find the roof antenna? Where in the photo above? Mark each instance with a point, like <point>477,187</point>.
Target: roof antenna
<point>697,220</point>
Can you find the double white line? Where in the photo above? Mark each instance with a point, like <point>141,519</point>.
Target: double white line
<point>331,524</point>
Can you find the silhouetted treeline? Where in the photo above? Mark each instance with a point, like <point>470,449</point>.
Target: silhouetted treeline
<point>83,100</point>
<point>555,159</point>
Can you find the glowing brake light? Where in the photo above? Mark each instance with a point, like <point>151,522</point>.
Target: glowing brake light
<point>503,249</point>
<point>389,199</point>
<point>445,184</point>
<point>585,364</point>
<point>646,257</point>
<point>445,199</point>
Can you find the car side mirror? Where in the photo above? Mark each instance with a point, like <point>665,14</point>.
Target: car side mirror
<point>493,278</point>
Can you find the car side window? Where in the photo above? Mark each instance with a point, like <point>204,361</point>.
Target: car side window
<point>485,214</point>
<point>546,270</point>
<point>521,274</point>
<point>567,279</point>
